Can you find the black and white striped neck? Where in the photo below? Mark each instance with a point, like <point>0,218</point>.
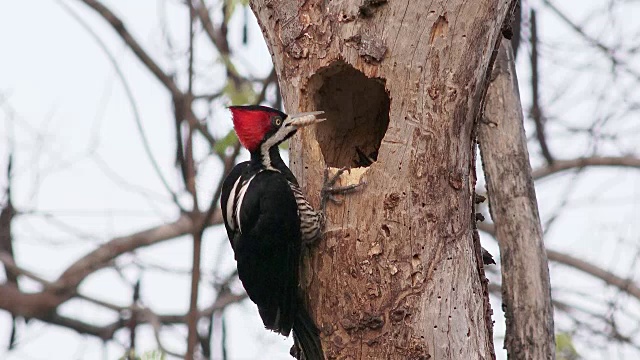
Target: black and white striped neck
<point>271,160</point>
<point>268,159</point>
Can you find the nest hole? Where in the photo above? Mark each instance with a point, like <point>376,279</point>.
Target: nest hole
<point>357,111</point>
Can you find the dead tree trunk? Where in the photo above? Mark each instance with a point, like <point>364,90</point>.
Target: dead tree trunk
<point>397,275</point>
<point>526,292</point>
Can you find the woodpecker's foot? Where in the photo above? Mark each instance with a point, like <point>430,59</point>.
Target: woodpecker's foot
<point>329,190</point>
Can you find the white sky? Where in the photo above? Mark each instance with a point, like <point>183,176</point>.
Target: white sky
<point>62,102</point>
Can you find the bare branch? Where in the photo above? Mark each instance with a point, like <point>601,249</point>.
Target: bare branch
<point>536,110</point>
<point>564,165</point>
<point>610,332</point>
<point>36,305</point>
<point>208,97</point>
<point>102,256</point>
<point>12,268</point>
<point>526,291</point>
<point>626,285</point>
<point>142,55</point>
<point>41,305</point>
<point>81,327</point>
<point>133,322</point>
<point>192,25</point>
<point>218,38</point>
<point>604,49</point>
<point>133,44</point>
<point>156,324</point>
<point>7,213</point>
<point>6,258</point>
<point>130,97</point>
<point>192,316</point>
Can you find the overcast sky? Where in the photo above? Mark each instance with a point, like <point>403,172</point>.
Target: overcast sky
<point>80,167</point>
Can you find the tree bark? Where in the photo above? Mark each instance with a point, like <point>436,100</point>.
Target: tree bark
<point>398,274</point>
<point>526,292</point>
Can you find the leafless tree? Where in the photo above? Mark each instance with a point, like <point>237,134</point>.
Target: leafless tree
<point>577,81</point>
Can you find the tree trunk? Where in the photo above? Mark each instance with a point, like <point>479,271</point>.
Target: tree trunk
<point>398,274</point>
<point>526,293</point>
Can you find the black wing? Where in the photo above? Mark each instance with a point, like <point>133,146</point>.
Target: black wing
<point>267,249</point>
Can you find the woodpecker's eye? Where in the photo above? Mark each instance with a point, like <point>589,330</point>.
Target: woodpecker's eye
<point>277,121</point>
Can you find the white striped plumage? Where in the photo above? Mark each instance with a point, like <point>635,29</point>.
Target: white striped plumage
<point>231,203</point>
<point>234,204</point>
<point>241,193</point>
<point>311,221</point>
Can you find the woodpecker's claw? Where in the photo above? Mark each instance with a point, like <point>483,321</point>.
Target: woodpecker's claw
<point>334,178</point>
<point>334,199</point>
<point>329,190</point>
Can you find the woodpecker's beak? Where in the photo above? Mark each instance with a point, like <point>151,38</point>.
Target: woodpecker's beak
<point>304,119</point>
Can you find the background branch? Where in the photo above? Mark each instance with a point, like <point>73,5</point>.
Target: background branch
<point>581,163</point>
<point>526,289</point>
<point>130,97</point>
<point>536,110</point>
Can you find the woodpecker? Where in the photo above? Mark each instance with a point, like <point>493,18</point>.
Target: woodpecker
<point>268,220</point>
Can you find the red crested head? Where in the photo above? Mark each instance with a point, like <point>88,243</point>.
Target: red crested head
<point>262,128</point>
<point>253,123</point>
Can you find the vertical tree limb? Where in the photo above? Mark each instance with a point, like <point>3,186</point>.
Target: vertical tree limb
<point>536,110</point>
<point>133,322</point>
<point>512,202</point>
<point>190,182</point>
<point>6,244</point>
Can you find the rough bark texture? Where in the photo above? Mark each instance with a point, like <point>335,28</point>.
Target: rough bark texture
<point>526,293</point>
<point>397,275</point>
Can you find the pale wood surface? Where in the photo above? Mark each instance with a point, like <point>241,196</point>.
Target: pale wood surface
<point>526,293</point>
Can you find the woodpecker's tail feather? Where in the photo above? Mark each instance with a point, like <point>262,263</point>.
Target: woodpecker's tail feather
<point>306,336</point>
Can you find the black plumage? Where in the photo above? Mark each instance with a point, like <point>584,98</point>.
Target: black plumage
<point>263,221</point>
<point>267,250</point>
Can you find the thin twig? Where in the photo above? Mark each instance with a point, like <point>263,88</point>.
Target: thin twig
<point>218,38</point>
<point>192,319</point>
<point>130,97</point>
<point>35,306</point>
<point>192,25</point>
<point>536,111</point>
<point>12,268</point>
<point>604,49</point>
<point>133,44</point>
<point>626,285</point>
<point>223,339</point>
<point>156,324</point>
<point>569,189</point>
<point>117,24</point>
<point>579,163</point>
<point>133,322</point>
